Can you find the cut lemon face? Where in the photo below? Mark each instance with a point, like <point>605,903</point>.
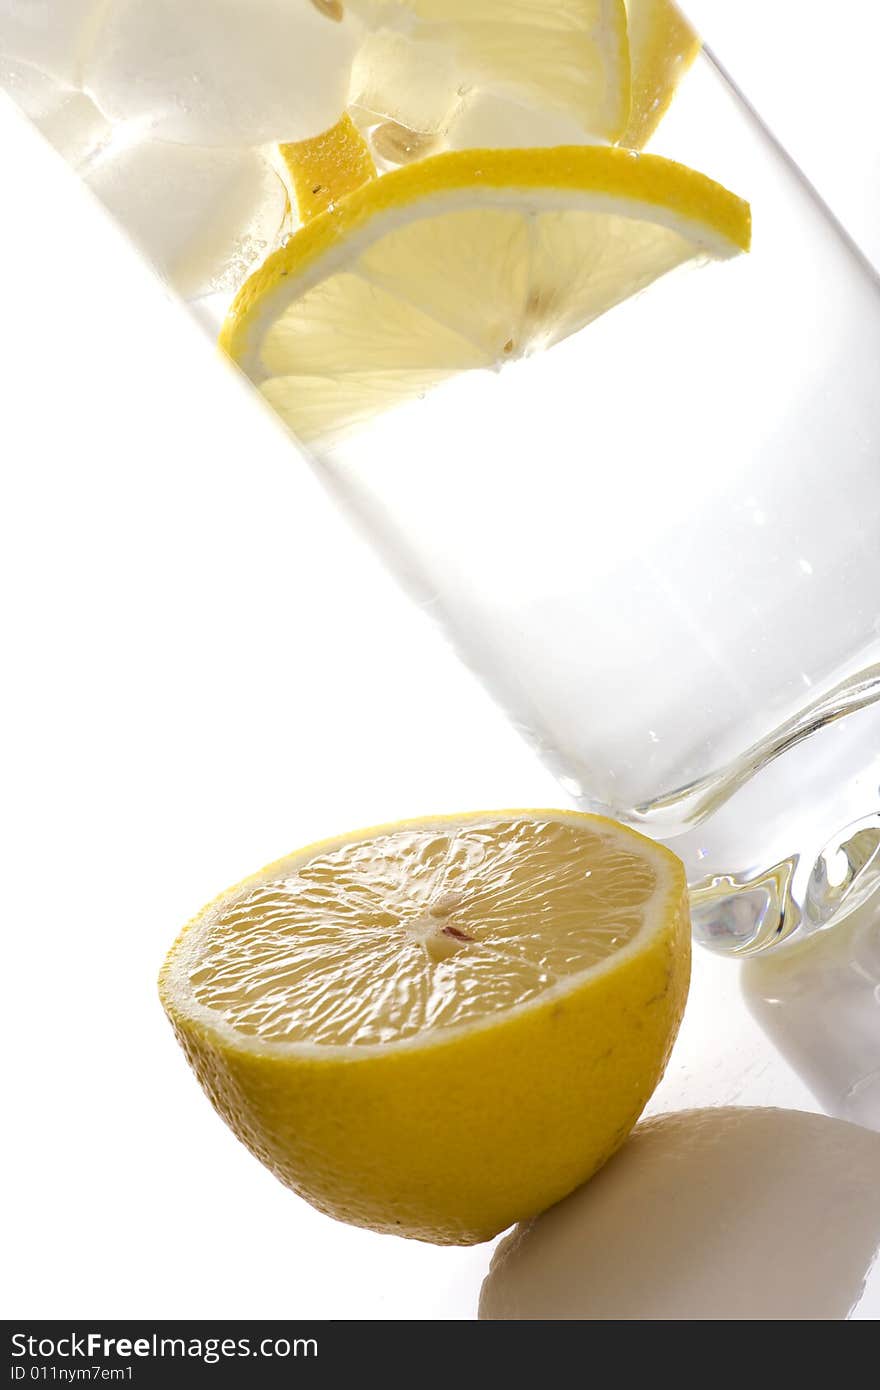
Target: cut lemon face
<point>468,260</point>
<point>440,1027</point>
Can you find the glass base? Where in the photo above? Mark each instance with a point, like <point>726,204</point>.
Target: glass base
<point>801,893</point>
<point>797,848</point>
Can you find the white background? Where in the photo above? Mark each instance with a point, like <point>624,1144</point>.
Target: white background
<point>808,66</point>
<point>204,670</point>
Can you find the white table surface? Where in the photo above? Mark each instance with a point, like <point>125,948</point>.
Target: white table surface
<point>205,669</point>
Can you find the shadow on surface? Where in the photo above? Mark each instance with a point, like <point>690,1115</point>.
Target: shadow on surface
<point>707,1214</point>
<point>818,1001</point>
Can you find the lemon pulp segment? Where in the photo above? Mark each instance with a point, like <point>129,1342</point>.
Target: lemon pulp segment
<point>662,47</point>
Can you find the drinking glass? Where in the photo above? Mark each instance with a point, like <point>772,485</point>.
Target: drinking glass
<point>658,543</point>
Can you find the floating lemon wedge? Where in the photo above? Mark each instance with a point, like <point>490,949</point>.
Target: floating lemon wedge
<point>662,46</point>
<point>327,167</point>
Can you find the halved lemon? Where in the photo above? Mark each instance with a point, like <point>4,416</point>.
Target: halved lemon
<point>467,260</point>
<point>439,1027</point>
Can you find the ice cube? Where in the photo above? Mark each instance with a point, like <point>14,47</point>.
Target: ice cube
<point>53,35</point>
<point>202,215</point>
<point>489,121</point>
<point>68,118</point>
<point>223,72</point>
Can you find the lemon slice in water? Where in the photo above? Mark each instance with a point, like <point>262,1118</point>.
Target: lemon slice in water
<point>466,260</point>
